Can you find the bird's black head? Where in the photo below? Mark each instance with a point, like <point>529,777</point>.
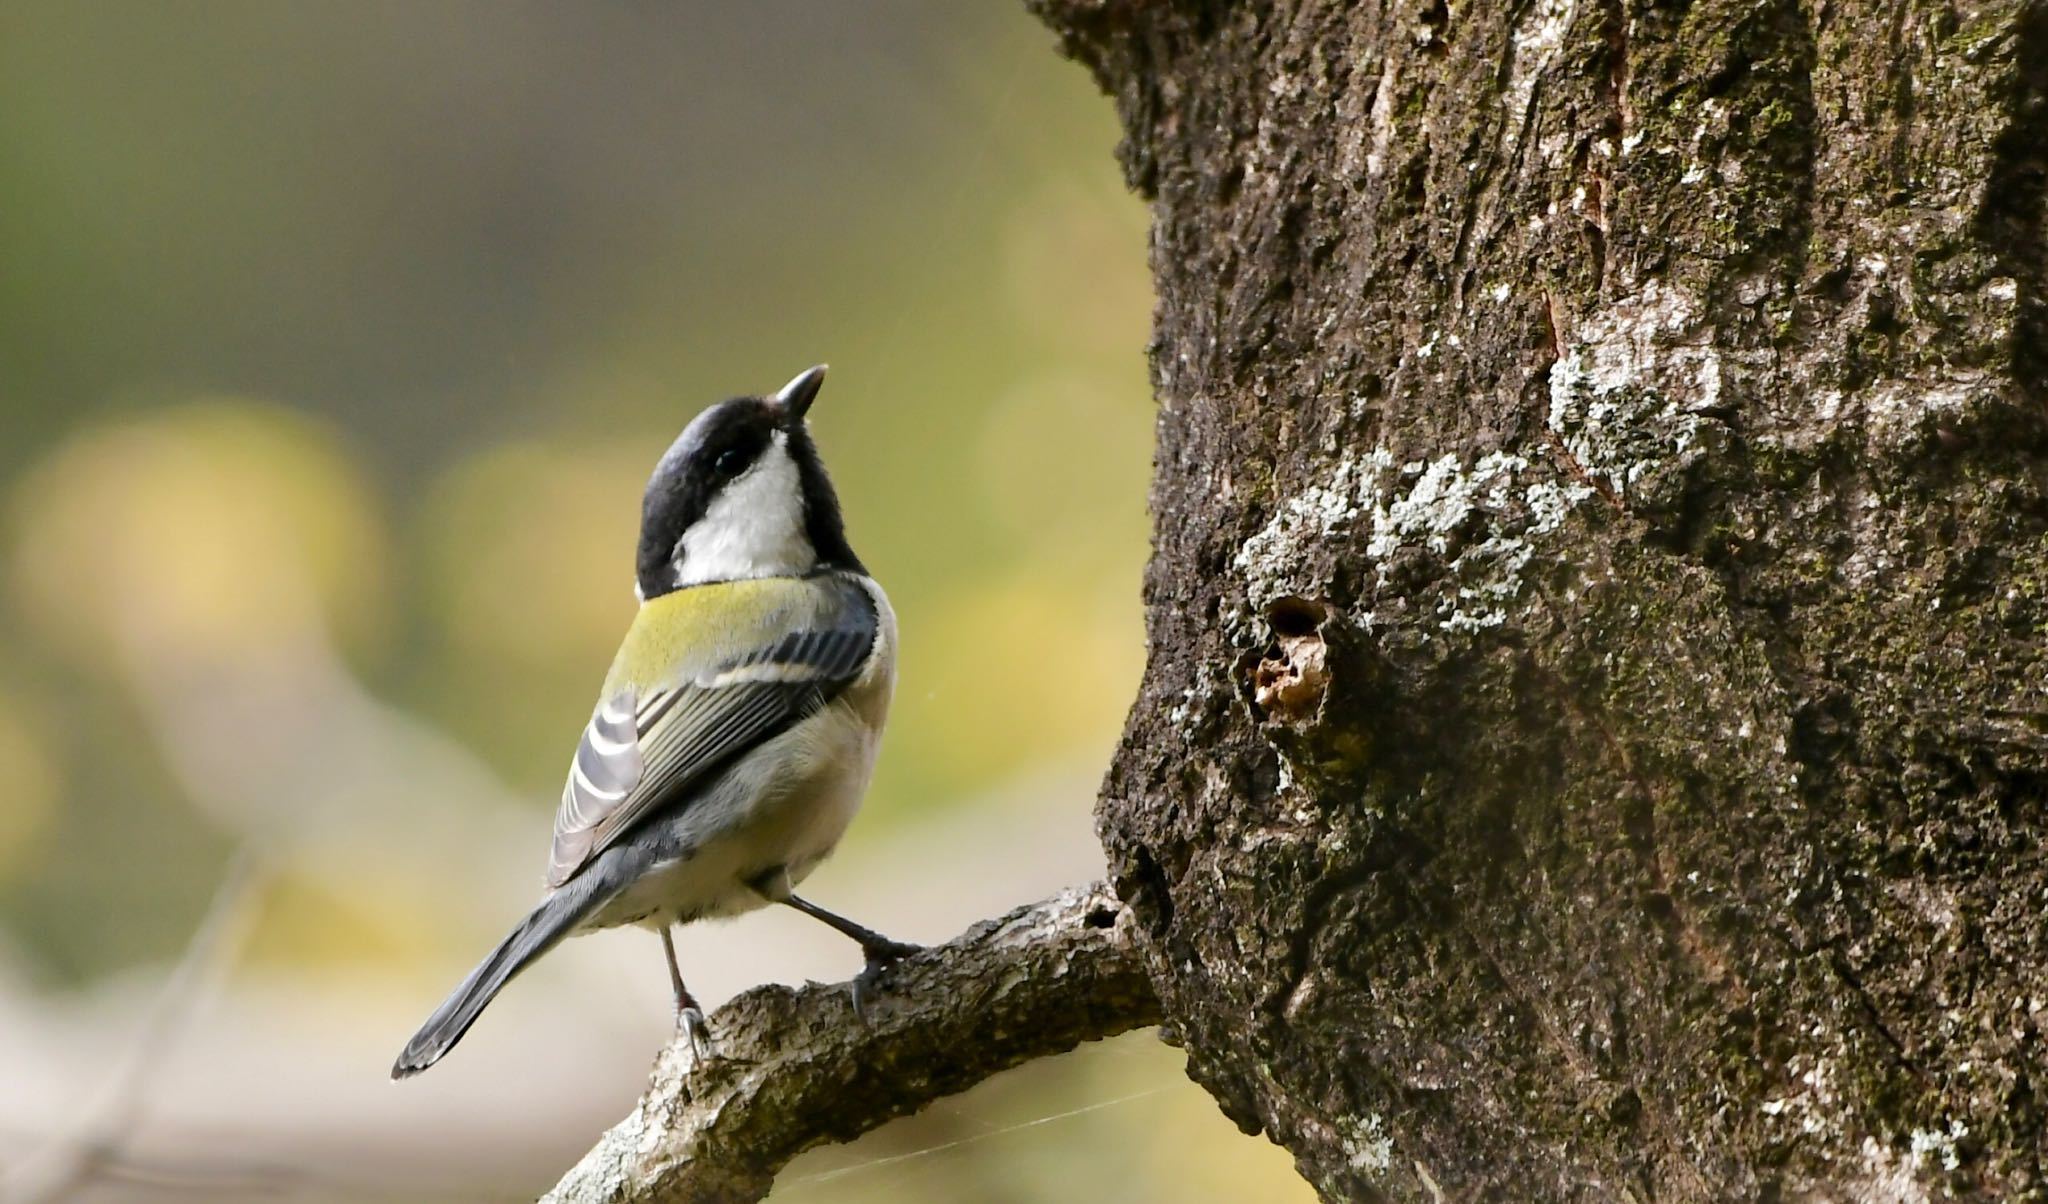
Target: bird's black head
<point>742,493</point>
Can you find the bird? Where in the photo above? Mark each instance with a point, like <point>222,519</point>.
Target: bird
<point>733,738</point>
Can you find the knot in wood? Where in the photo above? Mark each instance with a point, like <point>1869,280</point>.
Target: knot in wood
<point>1291,677</point>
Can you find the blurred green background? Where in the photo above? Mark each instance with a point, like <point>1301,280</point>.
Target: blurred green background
<point>336,342</point>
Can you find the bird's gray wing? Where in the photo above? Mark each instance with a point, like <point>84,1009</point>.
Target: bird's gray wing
<point>641,750</point>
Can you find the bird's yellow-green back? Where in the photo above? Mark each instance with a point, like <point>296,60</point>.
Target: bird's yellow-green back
<point>682,635</point>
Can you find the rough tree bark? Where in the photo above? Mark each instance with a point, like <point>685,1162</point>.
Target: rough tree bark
<point>1595,741</point>
<point>795,1069</point>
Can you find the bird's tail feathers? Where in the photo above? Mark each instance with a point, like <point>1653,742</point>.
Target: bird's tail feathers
<point>539,932</point>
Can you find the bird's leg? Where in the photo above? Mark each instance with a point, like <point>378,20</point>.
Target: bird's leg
<point>689,1017</point>
<point>880,951</point>
<point>877,947</point>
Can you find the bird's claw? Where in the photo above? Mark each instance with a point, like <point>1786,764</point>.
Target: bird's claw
<point>882,955</point>
<point>695,1030</point>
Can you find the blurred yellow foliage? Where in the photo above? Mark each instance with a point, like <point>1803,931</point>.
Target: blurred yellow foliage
<point>530,547</point>
<point>1021,671</point>
<point>1069,273</point>
<point>217,531</point>
<point>34,778</point>
<point>303,917</point>
<point>1061,460</point>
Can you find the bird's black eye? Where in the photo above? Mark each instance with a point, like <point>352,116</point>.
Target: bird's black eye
<point>729,462</point>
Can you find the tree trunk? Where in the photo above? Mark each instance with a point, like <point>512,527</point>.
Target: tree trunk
<point>1595,741</point>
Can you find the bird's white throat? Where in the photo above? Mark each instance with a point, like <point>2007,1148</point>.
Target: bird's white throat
<point>753,528</point>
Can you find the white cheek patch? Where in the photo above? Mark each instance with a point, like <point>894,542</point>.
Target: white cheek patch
<point>753,528</point>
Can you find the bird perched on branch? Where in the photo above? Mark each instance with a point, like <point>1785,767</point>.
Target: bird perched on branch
<point>736,731</point>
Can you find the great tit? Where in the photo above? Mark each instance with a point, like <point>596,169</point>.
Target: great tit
<point>735,734</point>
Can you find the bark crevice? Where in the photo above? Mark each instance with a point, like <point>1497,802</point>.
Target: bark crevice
<point>2013,216</point>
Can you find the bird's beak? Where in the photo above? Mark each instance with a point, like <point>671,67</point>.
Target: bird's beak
<point>796,396</point>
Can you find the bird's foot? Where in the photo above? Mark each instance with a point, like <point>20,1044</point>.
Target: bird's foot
<point>882,954</point>
<point>690,1022</point>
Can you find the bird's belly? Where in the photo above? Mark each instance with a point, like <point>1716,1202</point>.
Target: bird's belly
<point>782,807</point>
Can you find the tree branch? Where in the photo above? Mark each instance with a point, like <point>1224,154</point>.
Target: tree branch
<point>794,1069</point>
